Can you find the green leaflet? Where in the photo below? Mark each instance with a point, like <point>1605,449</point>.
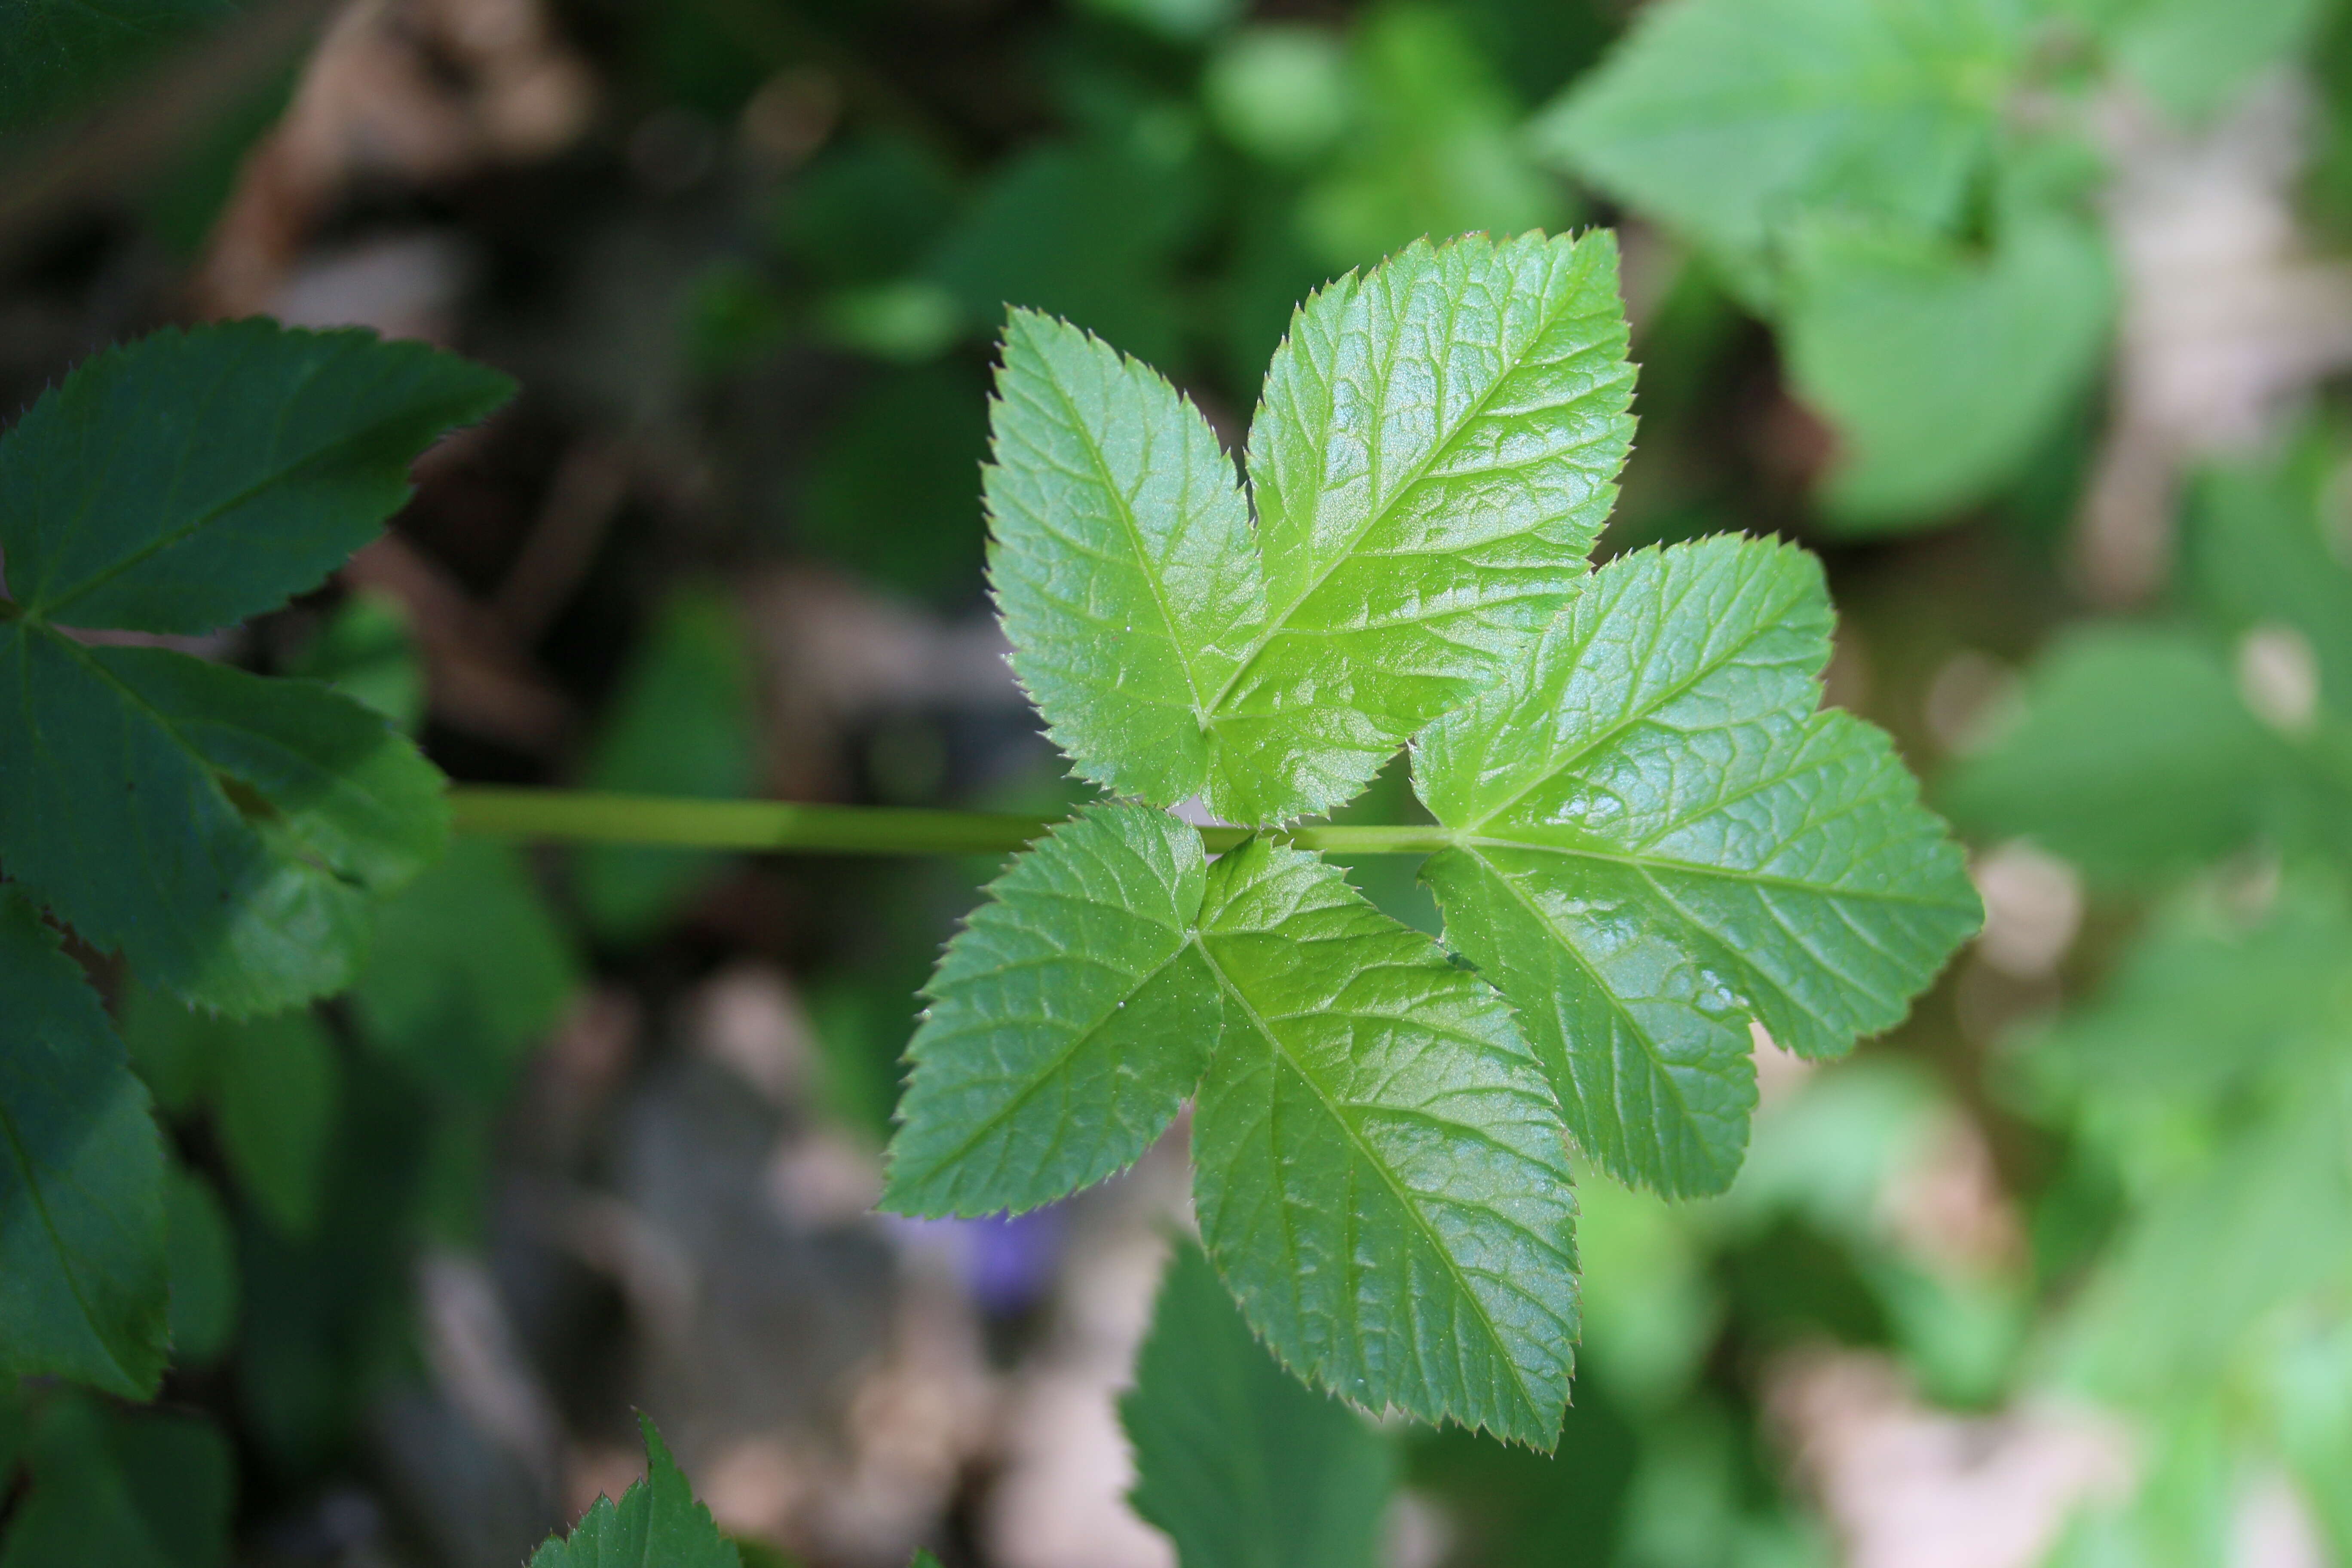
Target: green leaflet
<point>190,480</point>
<point>2015,337</point>
<point>1724,117</point>
<point>1461,407</point>
<point>657,1524</point>
<point>1379,1165</point>
<point>1241,1465</point>
<point>1068,1021</point>
<point>1659,840</point>
<point>128,1489</point>
<point>55,54</point>
<point>203,1251</point>
<point>83,1292</point>
<point>222,830</point>
<point>2132,755</point>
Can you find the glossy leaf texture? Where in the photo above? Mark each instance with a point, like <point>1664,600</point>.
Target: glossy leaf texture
<point>1723,117</point>
<point>223,831</point>
<point>1660,842</point>
<point>1434,454</point>
<point>82,1269</point>
<point>657,1521</point>
<point>1380,1167</point>
<point>1378,1164</point>
<point>1238,1463</point>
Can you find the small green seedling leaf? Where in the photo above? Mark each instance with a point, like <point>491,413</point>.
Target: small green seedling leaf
<point>1659,841</point>
<point>224,831</point>
<point>1239,1463</point>
<point>126,1488</point>
<point>1379,1165</point>
<point>202,1252</point>
<point>1724,117</point>
<point>82,1260</point>
<point>1460,409</point>
<point>658,1523</point>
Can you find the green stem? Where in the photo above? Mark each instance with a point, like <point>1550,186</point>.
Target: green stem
<point>576,816</point>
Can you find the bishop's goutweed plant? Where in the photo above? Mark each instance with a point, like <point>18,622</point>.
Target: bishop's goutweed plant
<point>1648,843</point>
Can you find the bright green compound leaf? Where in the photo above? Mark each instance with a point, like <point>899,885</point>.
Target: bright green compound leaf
<point>1724,117</point>
<point>126,1488</point>
<point>57,53</point>
<point>223,831</point>
<point>1067,1022</point>
<point>656,1522</point>
<point>1238,1463</point>
<point>2015,337</point>
<point>1461,407</point>
<point>682,724</point>
<point>1434,148</point>
<point>469,970</point>
<point>2132,756</point>
<point>82,1268</point>
<point>203,1251</point>
<point>1659,841</point>
<point>1379,1167</point>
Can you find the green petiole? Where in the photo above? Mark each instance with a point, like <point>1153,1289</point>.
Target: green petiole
<point>776,826</point>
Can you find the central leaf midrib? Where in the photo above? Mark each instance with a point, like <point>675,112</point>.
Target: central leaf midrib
<point>1415,474</point>
<point>1645,863</point>
<point>1355,1138</point>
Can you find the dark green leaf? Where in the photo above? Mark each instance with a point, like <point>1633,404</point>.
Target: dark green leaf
<point>657,1524</point>
<point>128,1489</point>
<point>224,831</point>
<point>83,1287</point>
<point>469,970</point>
<point>55,55</point>
<point>202,1252</point>
<point>1242,1465</point>
<point>192,478</point>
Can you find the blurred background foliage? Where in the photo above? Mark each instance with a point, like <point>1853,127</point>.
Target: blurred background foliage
<point>2030,315</point>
